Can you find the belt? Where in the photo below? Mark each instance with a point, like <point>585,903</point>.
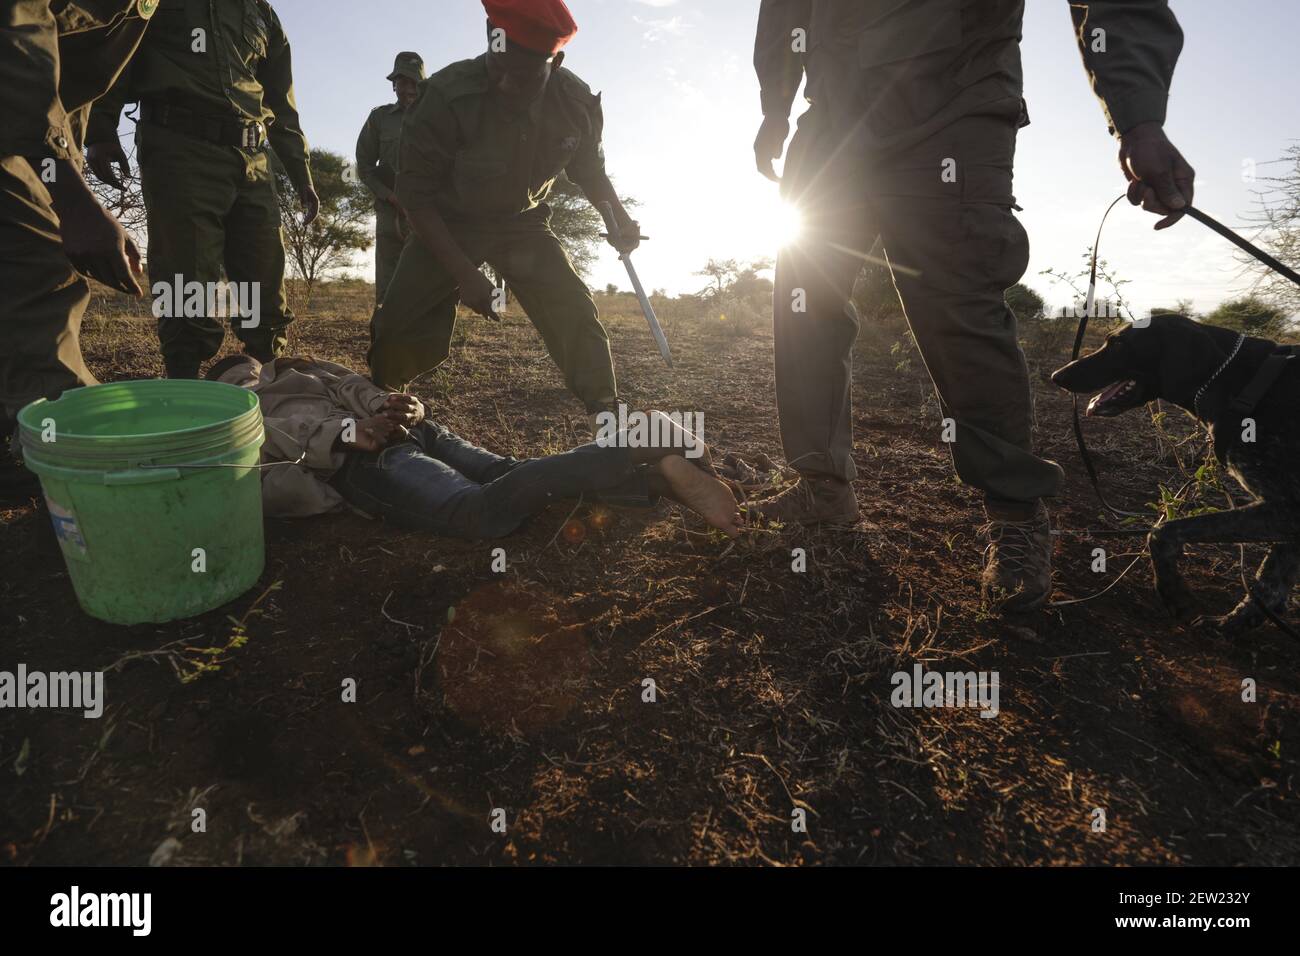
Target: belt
<point>221,130</point>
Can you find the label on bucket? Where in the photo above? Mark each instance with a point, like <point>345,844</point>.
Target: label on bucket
<point>66,528</point>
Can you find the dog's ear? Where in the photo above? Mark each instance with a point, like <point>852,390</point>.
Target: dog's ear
<point>1181,354</point>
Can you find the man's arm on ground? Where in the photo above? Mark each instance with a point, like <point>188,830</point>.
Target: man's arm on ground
<point>1130,48</point>
<point>289,437</point>
<point>360,396</point>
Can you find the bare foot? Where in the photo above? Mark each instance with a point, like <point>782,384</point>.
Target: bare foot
<point>702,493</point>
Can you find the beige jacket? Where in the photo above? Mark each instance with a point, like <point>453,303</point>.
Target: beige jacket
<point>306,404</point>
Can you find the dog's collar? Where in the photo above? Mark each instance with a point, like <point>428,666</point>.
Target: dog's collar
<point>1196,401</point>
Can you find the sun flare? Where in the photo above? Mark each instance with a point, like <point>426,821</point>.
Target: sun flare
<point>786,225</point>
<point>765,225</point>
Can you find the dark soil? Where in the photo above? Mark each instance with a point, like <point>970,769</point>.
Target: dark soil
<point>526,691</point>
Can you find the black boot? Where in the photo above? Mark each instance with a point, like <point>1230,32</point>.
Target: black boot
<point>17,483</point>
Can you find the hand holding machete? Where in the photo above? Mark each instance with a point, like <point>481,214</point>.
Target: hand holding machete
<point>625,245</point>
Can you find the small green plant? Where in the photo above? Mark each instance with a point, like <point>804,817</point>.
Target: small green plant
<point>189,663</point>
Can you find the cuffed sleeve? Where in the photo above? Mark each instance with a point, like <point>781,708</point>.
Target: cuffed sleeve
<point>35,124</point>
<point>292,436</point>
<point>1129,48</point>
<point>285,132</point>
<point>776,61</point>
<point>359,395</point>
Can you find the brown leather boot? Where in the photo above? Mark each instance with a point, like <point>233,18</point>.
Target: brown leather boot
<point>812,500</point>
<point>1017,562</point>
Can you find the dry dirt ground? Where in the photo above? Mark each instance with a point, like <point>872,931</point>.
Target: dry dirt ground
<point>524,691</point>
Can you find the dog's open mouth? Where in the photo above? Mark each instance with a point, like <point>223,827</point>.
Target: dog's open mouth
<point>1116,399</point>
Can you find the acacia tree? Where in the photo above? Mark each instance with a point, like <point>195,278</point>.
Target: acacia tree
<point>329,244</point>
<point>1251,315</point>
<point>577,224</point>
<point>721,273</point>
<point>1277,214</point>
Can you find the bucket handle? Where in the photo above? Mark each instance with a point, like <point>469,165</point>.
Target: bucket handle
<point>149,474</point>
<point>172,472</point>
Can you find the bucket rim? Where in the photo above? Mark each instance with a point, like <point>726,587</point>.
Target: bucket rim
<point>146,383</point>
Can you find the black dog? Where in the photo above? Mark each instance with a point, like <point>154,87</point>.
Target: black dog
<point>1247,390</point>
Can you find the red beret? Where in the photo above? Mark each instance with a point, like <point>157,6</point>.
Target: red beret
<point>543,26</point>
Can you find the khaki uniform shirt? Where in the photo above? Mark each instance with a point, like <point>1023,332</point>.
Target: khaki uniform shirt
<point>911,67</point>
<point>377,150</point>
<point>56,58</point>
<point>466,153</point>
<point>220,58</point>
<point>306,404</point>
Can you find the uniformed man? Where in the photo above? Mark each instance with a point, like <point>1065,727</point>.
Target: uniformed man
<point>910,137</point>
<point>377,165</point>
<point>214,81</point>
<point>480,150</point>
<point>55,59</point>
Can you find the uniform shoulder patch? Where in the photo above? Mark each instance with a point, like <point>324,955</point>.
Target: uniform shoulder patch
<point>146,8</point>
<point>574,87</point>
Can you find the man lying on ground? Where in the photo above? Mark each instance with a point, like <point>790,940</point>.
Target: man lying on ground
<point>345,441</point>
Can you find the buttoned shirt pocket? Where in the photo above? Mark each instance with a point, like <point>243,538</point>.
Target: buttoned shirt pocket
<point>256,32</point>
<point>390,145</point>
<point>172,28</point>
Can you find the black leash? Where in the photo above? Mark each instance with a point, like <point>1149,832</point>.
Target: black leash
<point>1245,245</point>
<point>1089,304</point>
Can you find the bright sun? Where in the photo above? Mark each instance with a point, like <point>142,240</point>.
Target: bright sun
<point>760,224</point>
<point>785,225</point>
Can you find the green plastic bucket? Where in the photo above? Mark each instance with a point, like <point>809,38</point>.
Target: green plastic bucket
<point>155,494</point>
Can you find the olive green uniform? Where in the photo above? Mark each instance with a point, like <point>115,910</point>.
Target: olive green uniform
<point>55,59</point>
<point>211,75</point>
<point>910,139</point>
<point>377,159</point>
<point>488,170</point>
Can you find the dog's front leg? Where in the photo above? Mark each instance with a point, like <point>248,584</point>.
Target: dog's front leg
<point>1166,548</point>
<point>1273,584</point>
<point>1258,522</point>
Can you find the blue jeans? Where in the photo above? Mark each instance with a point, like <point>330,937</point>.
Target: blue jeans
<point>437,482</point>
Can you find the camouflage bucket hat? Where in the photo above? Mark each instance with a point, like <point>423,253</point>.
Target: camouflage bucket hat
<point>409,65</point>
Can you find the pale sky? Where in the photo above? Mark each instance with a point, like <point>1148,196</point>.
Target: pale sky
<point>681,110</point>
